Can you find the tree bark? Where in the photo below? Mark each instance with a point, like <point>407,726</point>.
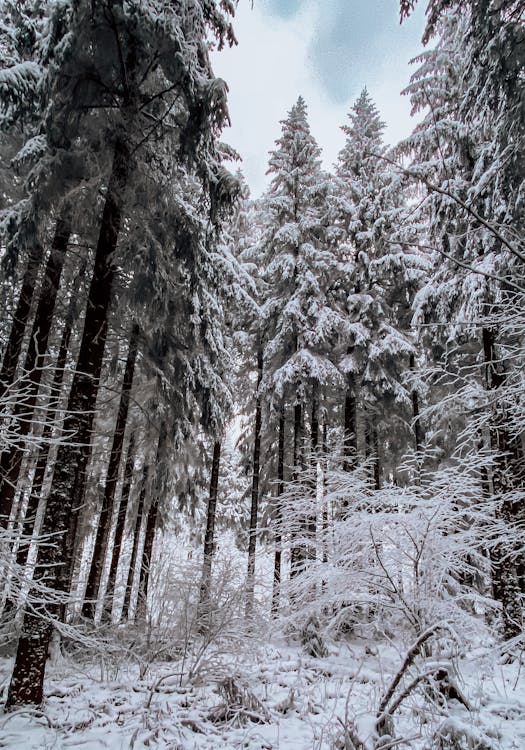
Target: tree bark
<point>372,451</point>
<point>350,426</point>
<point>278,515</point>
<point>20,318</point>
<point>115,457</point>
<point>65,496</point>
<point>252,539</point>
<point>11,458</point>
<point>209,539</point>
<point>419,436</point>
<point>58,377</point>
<point>311,520</point>
<point>121,519</point>
<point>136,539</point>
<point>147,552</point>
<point>297,554</point>
<point>506,477</point>
<point>151,526</point>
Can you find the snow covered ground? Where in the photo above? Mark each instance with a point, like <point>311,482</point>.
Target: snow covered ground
<point>290,701</point>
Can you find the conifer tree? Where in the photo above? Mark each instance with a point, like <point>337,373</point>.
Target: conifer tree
<point>367,205</point>
<point>473,203</point>
<point>299,268</point>
<point>121,51</point>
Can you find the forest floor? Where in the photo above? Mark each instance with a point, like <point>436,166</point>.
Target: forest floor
<point>289,702</point>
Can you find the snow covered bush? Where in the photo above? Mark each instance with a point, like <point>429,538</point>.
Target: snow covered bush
<point>395,560</point>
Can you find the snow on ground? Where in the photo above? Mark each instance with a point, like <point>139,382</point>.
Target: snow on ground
<point>303,704</point>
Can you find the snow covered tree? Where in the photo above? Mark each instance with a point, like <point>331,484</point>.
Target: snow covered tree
<point>119,43</point>
<point>382,270</point>
<point>473,209</point>
<point>299,267</point>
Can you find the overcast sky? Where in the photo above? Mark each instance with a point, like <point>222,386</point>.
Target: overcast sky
<point>325,50</point>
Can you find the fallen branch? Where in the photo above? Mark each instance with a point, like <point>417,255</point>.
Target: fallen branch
<point>412,652</point>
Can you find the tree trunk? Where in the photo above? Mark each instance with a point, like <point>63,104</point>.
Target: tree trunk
<point>151,526</point>
<point>252,540</point>
<point>20,318</point>
<point>58,377</point>
<point>350,426</point>
<point>418,429</point>
<point>372,451</point>
<point>53,563</point>
<point>11,458</point>
<point>147,552</point>
<point>115,457</point>
<point>278,515</point>
<point>311,520</point>
<point>506,477</point>
<point>121,519</point>
<point>297,554</point>
<point>209,539</point>
<point>136,539</point>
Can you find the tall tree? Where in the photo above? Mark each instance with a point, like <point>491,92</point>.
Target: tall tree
<point>122,52</point>
<point>51,412</point>
<point>254,508</point>
<point>470,167</point>
<point>11,457</point>
<point>209,540</point>
<point>366,209</point>
<point>299,267</point>
<point>110,486</point>
<point>121,514</point>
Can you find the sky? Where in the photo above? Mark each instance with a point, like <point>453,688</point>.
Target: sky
<point>324,50</point>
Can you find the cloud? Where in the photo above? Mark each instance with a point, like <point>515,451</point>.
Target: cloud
<point>345,43</point>
<point>282,8</point>
<point>327,52</point>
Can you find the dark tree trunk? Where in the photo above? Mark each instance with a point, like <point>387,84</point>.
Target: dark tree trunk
<point>297,554</point>
<point>377,462</point>
<point>20,318</point>
<point>151,526</point>
<point>252,540</point>
<point>11,458</point>
<point>147,552</point>
<point>209,539</point>
<point>372,451</point>
<point>297,440</point>
<point>121,519</point>
<point>311,520</point>
<point>314,425</point>
<point>506,477</point>
<point>419,436</point>
<point>58,377</point>
<point>115,457</point>
<point>136,540</point>
<point>350,426</point>
<point>53,563</point>
<point>277,517</point>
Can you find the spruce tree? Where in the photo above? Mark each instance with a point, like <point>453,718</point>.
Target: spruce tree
<point>121,50</point>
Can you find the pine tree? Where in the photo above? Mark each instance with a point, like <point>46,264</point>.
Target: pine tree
<point>104,522</point>
<point>459,151</point>
<point>11,457</point>
<point>366,207</point>
<point>125,48</point>
<point>299,268</point>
